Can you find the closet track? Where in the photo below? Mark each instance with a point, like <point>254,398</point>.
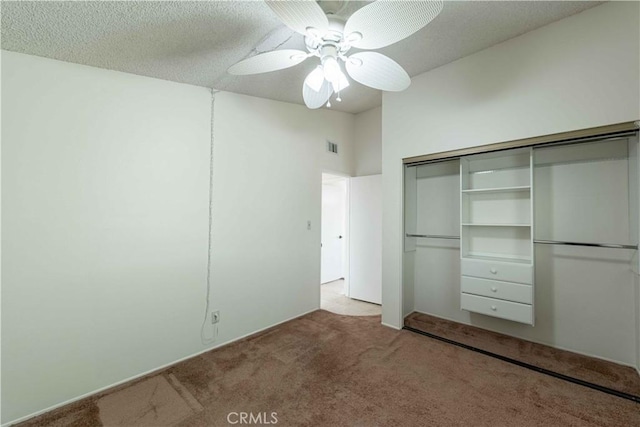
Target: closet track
<point>543,242</point>
<point>538,369</point>
<point>600,133</point>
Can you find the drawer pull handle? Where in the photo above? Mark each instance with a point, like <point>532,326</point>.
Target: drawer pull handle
<point>493,271</point>
<point>494,308</point>
<point>494,289</point>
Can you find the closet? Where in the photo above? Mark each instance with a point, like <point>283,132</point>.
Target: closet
<point>538,242</point>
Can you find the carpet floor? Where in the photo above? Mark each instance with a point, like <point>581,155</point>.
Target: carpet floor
<point>597,371</point>
<point>325,369</point>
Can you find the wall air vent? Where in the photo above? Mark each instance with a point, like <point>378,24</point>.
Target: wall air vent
<point>332,147</point>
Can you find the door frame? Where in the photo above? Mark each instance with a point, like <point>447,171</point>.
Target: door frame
<point>345,248</point>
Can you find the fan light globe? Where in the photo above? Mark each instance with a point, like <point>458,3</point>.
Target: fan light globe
<point>315,79</point>
<point>331,69</point>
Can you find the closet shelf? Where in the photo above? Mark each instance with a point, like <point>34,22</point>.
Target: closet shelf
<point>492,257</point>
<point>496,229</point>
<point>475,224</point>
<point>497,189</point>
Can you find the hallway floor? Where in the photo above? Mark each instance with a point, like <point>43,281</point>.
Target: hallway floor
<point>333,300</point>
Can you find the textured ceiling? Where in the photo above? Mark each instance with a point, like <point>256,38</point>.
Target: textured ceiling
<point>196,41</point>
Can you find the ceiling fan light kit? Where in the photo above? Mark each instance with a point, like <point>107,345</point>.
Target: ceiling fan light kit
<point>329,38</point>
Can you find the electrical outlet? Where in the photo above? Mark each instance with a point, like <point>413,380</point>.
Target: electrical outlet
<point>215,317</point>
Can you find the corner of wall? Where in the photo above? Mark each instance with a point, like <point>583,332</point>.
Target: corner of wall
<point>368,142</point>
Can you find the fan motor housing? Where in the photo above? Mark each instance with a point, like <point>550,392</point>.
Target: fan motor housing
<point>332,38</point>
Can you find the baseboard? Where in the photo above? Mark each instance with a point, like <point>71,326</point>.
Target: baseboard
<point>151,371</point>
<point>532,340</point>
<point>391,326</point>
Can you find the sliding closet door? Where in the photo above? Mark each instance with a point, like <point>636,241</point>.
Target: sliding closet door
<point>437,251</point>
<point>585,295</point>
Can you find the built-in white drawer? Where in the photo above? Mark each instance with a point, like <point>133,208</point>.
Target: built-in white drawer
<point>497,289</point>
<point>498,308</point>
<point>498,270</point>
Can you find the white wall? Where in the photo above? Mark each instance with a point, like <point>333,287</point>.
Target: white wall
<point>580,72</point>
<point>105,182</point>
<point>637,302</point>
<point>368,142</point>
<point>268,163</point>
<point>0,252</point>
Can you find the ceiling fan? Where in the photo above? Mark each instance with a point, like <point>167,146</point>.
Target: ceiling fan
<point>329,37</point>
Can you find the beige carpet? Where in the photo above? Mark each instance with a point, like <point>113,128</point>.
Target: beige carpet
<point>325,369</point>
<point>333,300</point>
<point>597,371</point>
<point>156,401</point>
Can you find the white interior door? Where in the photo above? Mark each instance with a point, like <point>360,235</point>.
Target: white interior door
<point>365,238</point>
<point>333,229</point>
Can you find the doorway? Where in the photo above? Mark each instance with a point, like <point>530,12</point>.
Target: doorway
<point>342,197</point>
<point>334,229</point>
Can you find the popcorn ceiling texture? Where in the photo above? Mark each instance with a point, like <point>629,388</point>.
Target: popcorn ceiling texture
<point>195,42</point>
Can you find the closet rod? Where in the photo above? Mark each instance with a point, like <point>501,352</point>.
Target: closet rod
<point>594,245</point>
<point>434,236</point>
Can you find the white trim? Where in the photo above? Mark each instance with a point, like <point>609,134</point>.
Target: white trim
<point>390,326</point>
<point>400,274</point>
<point>346,257</point>
<point>617,362</point>
<point>149,372</point>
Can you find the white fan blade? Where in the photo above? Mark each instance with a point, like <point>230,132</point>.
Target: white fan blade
<point>316,99</point>
<point>377,71</point>
<point>269,61</point>
<point>382,23</point>
<point>300,15</point>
